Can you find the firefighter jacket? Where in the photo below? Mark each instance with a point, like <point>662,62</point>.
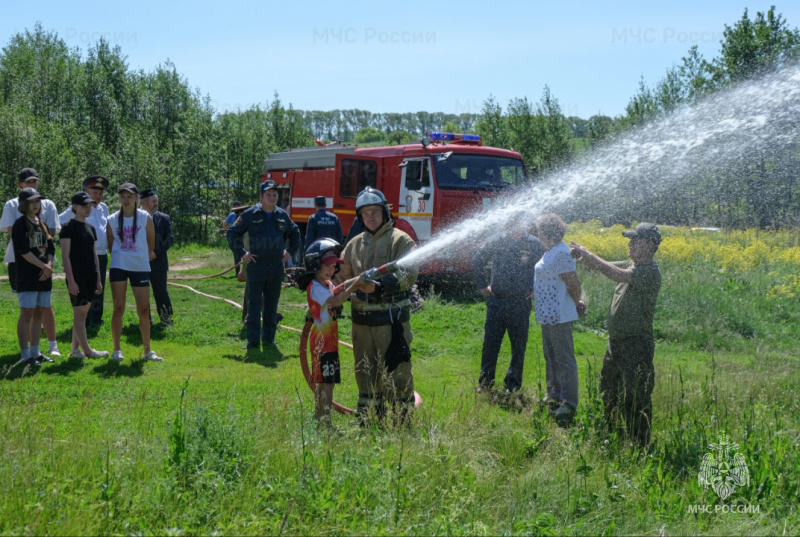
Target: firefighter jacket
<point>392,297</point>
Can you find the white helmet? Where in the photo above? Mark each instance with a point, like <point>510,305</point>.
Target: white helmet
<point>372,196</point>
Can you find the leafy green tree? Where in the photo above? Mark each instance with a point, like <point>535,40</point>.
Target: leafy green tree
<point>695,74</point>
<point>368,135</point>
<point>522,131</point>
<point>451,126</point>
<point>553,132</point>
<point>491,124</point>
<point>400,137</point>
<point>751,48</point>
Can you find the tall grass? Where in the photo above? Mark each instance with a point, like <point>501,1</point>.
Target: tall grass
<point>211,441</point>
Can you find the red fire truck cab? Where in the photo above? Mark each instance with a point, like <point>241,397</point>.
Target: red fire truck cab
<point>430,184</point>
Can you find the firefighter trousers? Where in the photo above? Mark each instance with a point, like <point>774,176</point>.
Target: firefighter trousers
<point>377,385</point>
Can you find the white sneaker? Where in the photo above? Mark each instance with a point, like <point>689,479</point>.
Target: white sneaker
<point>117,356</point>
<point>99,354</point>
<point>54,352</point>
<point>76,355</point>
<point>152,357</point>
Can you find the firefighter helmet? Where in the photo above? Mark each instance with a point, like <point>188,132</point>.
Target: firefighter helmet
<point>315,253</point>
<point>372,196</point>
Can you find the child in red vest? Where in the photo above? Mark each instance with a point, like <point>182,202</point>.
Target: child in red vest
<point>324,300</point>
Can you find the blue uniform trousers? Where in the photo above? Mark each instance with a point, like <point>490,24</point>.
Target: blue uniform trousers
<point>263,293</point>
<point>503,315</point>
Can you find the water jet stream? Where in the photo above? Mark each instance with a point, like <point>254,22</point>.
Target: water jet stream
<point>724,132</point>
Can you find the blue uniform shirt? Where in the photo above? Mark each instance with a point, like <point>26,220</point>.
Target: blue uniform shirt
<point>323,225</point>
<point>268,235</point>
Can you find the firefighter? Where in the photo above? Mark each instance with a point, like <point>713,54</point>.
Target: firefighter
<point>323,224</point>
<point>268,227</point>
<point>381,312</point>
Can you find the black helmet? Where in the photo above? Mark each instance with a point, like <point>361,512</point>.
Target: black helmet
<point>372,196</point>
<point>313,259</point>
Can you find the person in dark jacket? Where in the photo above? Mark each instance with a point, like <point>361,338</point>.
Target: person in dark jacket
<point>323,224</point>
<point>508,288</point>
<point>268,227</point>
<point>160,265</point>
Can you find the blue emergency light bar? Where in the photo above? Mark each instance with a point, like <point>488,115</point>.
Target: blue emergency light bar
<point>451,137</point>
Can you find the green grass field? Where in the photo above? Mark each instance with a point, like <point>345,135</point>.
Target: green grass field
<point>210,442</point>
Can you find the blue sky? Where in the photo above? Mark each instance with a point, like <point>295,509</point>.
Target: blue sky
<point>446,56</point>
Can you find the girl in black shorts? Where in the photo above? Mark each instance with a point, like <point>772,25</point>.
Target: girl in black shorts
<point>83,275</point>
<point>131,240</point>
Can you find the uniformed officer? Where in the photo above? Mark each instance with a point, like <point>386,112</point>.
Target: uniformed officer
<point>160,265</point>
<point>268,227</point>
<point>323,224</point>
<point>95,186</point>
<point>381,313</point>
<point>508,307</point>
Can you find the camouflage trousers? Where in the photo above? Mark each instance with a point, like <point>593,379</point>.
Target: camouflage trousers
<point>626,382</point>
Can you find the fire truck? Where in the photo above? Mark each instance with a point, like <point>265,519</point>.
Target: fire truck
<point>431,185</point>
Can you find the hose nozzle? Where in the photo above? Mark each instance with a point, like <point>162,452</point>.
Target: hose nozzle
<point>373,274</point>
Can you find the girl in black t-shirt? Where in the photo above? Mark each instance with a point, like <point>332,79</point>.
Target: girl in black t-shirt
<point>34,251</point>
<point>79,256</point>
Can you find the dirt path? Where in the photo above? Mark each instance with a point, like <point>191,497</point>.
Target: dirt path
<point>182,264</point>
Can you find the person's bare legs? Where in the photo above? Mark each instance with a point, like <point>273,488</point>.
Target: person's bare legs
<point>24,326</point>
<point>49,322</point>
<point>142,297</point>
<point>35,328</point>
<point>118,291</point>
<point>323,401</point>
<point>79,338</point>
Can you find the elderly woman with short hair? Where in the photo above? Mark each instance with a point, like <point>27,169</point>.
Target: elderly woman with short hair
<point>557,300</point>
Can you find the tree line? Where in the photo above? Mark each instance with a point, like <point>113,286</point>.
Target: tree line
<point>70,116</point>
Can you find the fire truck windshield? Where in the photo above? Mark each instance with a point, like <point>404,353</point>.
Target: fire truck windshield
<point>477,172</point>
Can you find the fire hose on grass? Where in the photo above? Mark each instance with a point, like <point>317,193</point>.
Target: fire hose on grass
<point>304,333</point>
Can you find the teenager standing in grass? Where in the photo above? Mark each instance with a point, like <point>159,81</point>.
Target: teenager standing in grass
<point>322,262</point>
<point>628,377</point>
<point>558,304</point>
<point>95,186</point>
<point>34,252</point>
<point>131,241</point>
<point>82,268</point>
<point>29,178</point>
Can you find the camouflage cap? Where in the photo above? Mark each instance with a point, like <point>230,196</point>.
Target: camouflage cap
<point>644,231</point>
